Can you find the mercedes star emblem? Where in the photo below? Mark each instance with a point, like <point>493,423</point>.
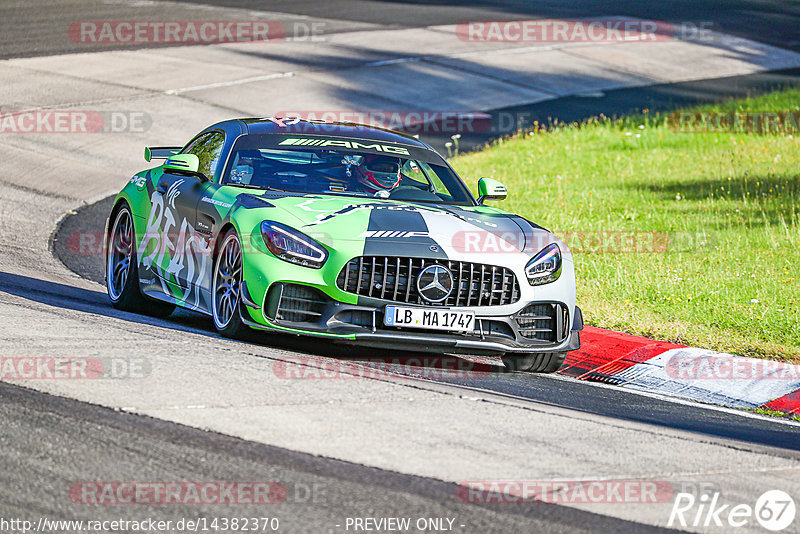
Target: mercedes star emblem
<point>435,283</point>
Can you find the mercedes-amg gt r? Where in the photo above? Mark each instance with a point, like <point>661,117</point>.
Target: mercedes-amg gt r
<point>345,232</point>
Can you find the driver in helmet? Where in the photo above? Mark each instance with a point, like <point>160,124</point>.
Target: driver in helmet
<point>377,175</point>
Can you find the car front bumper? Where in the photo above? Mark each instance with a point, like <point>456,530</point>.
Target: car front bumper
<point>308,311</point>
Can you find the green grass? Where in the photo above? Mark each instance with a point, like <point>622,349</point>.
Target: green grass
<point>776,413</point>
<point>770,413</point>
<point>729,203</point>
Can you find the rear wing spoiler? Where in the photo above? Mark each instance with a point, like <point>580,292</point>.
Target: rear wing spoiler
<point>160,152</point>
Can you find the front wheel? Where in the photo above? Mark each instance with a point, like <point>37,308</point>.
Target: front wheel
<point>541,362</point>
<point>225,297</point>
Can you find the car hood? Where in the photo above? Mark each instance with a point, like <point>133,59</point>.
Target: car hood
<point>393,228</point>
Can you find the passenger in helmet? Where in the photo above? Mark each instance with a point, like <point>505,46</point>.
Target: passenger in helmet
<point>376,174</point>
<point>245,166</point>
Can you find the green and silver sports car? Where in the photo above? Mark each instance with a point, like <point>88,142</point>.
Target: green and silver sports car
<point>341,231</point>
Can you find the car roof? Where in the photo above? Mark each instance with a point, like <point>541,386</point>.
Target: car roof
<point>270,125</point>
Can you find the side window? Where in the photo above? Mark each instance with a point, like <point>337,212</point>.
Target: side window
<point>208,149</point>
<point>421,172</point>
<point>411,170</point>
<point>437,182</point>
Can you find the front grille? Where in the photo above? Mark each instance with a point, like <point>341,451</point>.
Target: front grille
<point>395,279</point>
<point>294,303</point>
<point>543,322</point>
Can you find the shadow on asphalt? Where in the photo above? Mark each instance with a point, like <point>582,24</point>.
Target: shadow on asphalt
<point>96,302</point>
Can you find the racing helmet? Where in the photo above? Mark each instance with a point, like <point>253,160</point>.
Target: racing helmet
<point>244,168</point>
<point>378,173</point>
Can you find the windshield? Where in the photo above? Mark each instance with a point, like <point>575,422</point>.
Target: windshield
<point>376,171</point>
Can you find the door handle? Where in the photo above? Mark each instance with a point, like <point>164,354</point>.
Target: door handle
<point>162,188</point>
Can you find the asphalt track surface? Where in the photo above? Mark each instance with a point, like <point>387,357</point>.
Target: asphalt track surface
<point>49,442</point>
<point>36,28</point>
<point>41,431</point>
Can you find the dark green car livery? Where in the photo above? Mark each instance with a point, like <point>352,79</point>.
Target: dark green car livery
<point>342,231</point>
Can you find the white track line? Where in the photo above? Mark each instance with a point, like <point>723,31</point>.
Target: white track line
<point>231,83</point>
<point>678,400</point>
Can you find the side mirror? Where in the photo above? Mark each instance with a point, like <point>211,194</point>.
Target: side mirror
<point>184,164</point>
<point>490,189</point>
<point>160,152</point>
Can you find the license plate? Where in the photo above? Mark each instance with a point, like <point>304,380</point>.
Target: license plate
<point>458,321</point>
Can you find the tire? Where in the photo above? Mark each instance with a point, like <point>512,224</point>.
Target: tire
<point>122,271</point>
<point>540,362</point>
<point>226,287</point>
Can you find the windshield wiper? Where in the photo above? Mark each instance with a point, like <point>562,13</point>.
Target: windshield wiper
<point>247,186</point>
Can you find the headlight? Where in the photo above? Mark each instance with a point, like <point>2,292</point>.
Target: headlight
<point>293,246</point>
<point>545,267</point>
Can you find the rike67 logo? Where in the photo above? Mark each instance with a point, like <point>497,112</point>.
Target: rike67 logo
<point>774,510</point>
